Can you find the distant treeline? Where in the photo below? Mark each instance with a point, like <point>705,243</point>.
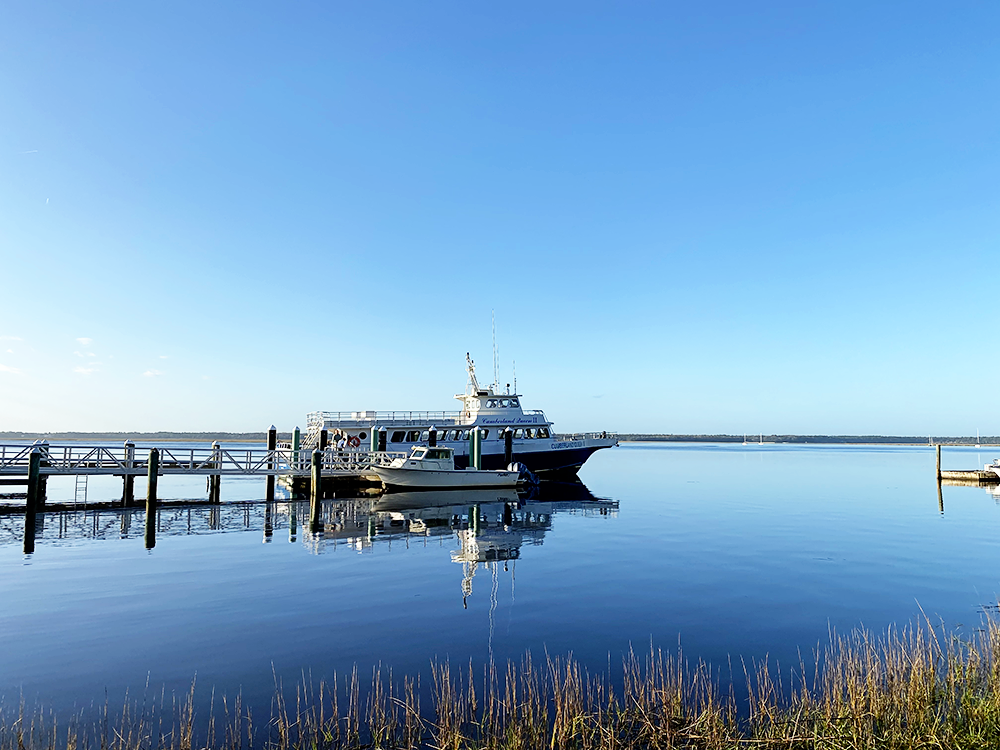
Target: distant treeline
<point>208,437</point>
<point>883,439</point>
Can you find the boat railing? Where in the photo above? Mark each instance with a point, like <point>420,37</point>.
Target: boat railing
<point>349,418</point>
<point>316,420</point>
<point>587,436</point>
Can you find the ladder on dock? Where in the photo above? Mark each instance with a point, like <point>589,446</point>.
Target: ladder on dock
<point>80,492</point>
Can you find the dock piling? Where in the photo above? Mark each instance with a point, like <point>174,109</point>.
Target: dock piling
<point>33,502</point>
<point>215,480</point>
<point>381,439</point>
<point>152,475</point>
<point>938,450</point>
<point>128,481</point>
<point>316,490</point>
<point>432,437</point>
<point>508,447</point>
<point>272,445</point>
<point>324,439</point>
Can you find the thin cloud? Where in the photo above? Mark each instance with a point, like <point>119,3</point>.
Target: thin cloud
<point>11,370</point>
<point>164,356</point>
<point>33,151</point>
<point>10,338</point>
<point>84,341</point>
<point>84,370</point>
<point>152,373</point>
<point>10,351</point>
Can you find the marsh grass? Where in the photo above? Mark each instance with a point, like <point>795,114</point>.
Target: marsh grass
<point>916,687</point>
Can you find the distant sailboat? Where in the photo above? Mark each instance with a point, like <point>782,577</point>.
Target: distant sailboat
<point>762,438</point>
<point>977,439</point>
<point>744,438</point>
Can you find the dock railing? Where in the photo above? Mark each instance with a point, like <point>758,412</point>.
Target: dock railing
<point>77,460</point>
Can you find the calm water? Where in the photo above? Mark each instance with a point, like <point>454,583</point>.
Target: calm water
<point>732,550</point>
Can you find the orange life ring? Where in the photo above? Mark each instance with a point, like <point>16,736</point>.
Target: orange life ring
<point>354,441</point>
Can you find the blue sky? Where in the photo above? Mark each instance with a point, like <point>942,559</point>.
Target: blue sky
<point>711,217</point>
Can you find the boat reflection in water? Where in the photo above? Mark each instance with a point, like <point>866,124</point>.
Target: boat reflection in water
<point>487,526</point>
<point>490,526</point>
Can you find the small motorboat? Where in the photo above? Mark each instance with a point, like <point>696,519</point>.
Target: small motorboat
<point>434,468</point>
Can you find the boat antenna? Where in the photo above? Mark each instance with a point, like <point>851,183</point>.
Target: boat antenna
<point>496,361</point>
<point>513,366</point>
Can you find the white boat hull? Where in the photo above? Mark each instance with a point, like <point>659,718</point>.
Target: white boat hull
<point>454,479</point>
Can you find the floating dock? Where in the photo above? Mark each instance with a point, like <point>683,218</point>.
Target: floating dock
<point>965,477</point>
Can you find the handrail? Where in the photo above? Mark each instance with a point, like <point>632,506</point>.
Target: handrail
<point>318,419</point>
<point>173,460</point>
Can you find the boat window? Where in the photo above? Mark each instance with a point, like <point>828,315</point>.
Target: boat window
<point>491,404</point>
<point>465,434</point>
<point>486,432</point>
<point>528,432</point>
<point>543,432</point>
<point>504,402</point>
<point>440,453</point>
<point>413,436</point>
<point>518,433</point>
<point>419,452</point>
<point>397,436</point>
<point>363,435</point>
<point>513,402</point>
<point>425,435</point>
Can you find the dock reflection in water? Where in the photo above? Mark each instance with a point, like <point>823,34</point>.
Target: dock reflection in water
<point>487,526</point>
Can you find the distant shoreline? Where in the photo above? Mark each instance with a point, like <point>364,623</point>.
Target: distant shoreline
<point>815,439</point>
<point>260,437</point>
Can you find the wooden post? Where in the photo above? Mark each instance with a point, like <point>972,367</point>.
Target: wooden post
<point>432,436</point>
<point>940,499</point>
<point>316,493</point>
<point>324,439</point>
<point>272,444</point>
<point>508,447</point>
<point>34,480</point>
<point>42,478</point>
<point>215,480</point>
<point>382,439</point>
<point>152,476</point>
<point>938,447</point>
<point>296,441</point>
<point>373,439</point>
<point>128,481</point>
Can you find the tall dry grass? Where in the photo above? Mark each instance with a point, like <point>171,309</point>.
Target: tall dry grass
<point>916,687</point>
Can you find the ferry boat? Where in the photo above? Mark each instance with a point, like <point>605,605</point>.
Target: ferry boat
<point>535,443</point>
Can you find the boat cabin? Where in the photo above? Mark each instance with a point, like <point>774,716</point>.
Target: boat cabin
<point>429,459</point>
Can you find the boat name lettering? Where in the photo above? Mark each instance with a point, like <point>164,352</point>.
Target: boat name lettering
<point>570,444</point>
<point>507,420</point>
